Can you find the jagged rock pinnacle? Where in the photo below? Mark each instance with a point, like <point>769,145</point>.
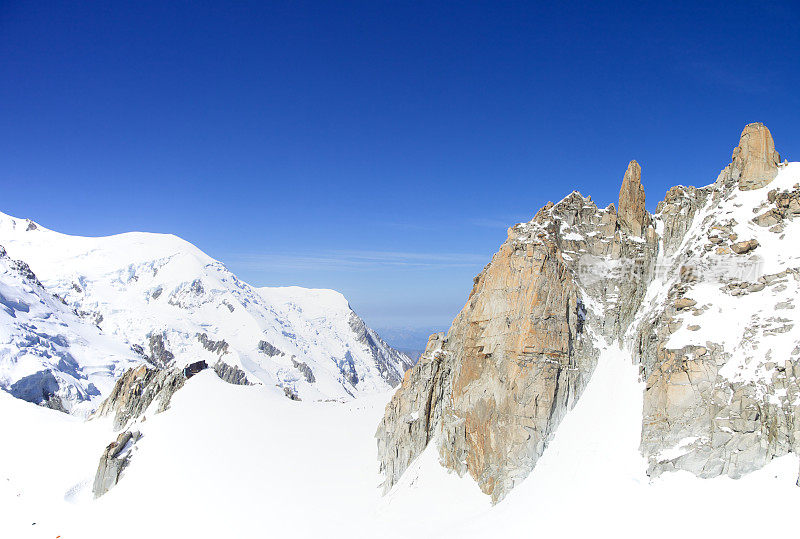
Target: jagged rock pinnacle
<point>755,161</point>
<point>492,391</point>
<point>632,213</point>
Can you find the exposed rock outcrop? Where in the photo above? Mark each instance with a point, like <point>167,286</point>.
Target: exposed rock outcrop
<point>215,347</point>
<point>113,461</point>
<point>384,356</point>
<point>138,388</point>
<point>517,357</point>
<point>291,393</point>
<point>785,207</point>
<point>159,354</point>
<point>632,213</point>
<point>305,370</point>
<point>414,416</point>
<point>231,374</point>
<point>755,161</point>
<point>347,368</point>
<point>267,348</point>
<point>744,247</point>
<point>492,391</point>
<point>677,211</point>
<point>720,402</point>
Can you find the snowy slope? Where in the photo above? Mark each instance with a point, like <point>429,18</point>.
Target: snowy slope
<point>744,316</point>
<point>237,461</point>
<point>752,325</point>
<point>48,354</point>
<point>591,481</point>
<point>164,297</point>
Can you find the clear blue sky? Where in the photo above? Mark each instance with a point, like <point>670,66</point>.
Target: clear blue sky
<point>378,148</point>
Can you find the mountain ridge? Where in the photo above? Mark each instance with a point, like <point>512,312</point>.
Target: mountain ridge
<point>492,391</point>
<point>170,304</point>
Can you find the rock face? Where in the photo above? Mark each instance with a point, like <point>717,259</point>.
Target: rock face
<point>719,355</point>
<point>491,392</point>
<point>303,367</point>
<point>677,212</point>
<point>231,374</point>
<point>266,348</point>
<point>385,358</point>
<point>216,347</point>
<point>138,388</point>
<point>632,213</point>
<point>755,161</point>
<point>159,354</point>
<point>519,369</point>
<point>517,357</point>
<point>113,461</point>
<point>414,416</point>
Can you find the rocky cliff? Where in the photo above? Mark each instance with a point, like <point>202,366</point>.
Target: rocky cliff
<point>633,216</point>
<point>755,161</point>
<point>718,343</point>
<point>113,462</point>
<point>139,388</point>
<point>576,279</point>
<point>517,357</point>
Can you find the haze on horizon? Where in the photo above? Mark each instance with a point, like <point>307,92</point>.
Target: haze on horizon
<point>379,149</point>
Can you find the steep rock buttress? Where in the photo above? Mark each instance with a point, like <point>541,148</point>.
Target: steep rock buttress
<point>492,390</point>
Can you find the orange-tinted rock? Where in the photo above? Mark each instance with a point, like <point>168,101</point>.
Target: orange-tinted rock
<point>755,161</point>
<point>633,216</point>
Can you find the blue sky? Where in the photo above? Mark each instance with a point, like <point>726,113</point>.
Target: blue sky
<point>378,148</point>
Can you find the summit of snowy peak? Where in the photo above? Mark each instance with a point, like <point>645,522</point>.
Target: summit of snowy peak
<point>10,223</point>
<point>107,251</point>
<point>321,299</point>
<point>162,296</point>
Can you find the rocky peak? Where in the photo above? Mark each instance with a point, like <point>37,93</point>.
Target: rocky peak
<point>491,392</point>
<point>633,216</point>
<point>755,161</point>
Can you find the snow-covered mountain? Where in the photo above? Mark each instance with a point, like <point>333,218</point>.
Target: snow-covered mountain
<point>48,354</point>
<point>158,299</point>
